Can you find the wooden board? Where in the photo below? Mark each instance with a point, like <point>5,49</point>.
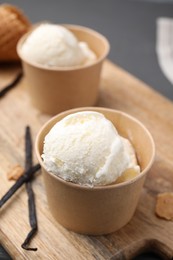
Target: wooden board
<point>119,90</point>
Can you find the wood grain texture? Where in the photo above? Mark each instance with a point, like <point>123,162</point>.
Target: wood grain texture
<point>118,90</point>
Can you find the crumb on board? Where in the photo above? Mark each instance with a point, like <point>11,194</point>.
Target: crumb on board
<point>16,172</point>
<point>164,205</point>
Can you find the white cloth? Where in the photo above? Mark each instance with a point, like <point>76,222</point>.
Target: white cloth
<point>164,46</point>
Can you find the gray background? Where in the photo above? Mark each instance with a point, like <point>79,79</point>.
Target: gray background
<point>129,25</point>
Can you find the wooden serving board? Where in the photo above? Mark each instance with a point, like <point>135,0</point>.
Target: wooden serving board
<point>119,90</point>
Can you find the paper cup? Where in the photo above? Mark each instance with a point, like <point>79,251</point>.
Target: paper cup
<point>102,209</point>
<point>53,90</point>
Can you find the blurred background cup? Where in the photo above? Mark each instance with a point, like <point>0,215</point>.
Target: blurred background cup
<point>55,89</point>
<point>100,209</point>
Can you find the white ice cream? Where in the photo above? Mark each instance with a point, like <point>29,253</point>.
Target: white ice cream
<point>85,148</point>
<point>53,45</point>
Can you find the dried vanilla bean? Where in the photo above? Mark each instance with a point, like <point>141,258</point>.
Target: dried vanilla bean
<point>31,198</point>
<point>11,85</point>
<point>32,218</point>
<point>24,178</point>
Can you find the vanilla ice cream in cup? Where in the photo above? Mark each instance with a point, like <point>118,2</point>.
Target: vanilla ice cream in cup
<point>94,162</point>
<point>62,64</point>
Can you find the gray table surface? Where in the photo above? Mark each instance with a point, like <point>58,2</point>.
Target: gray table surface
<point>130,26</point>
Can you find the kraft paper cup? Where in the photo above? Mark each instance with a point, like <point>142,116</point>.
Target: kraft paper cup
<point>102,209</point>
<point>53,90</point>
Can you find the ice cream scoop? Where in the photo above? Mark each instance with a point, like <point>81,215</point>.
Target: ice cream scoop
<point>85,148</point>
<point>53,45</point>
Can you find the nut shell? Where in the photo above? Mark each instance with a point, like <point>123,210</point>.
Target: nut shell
<point>12,26</point>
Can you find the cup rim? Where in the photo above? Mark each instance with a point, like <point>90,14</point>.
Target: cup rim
<point>66,68</point>
<point>101,187</point>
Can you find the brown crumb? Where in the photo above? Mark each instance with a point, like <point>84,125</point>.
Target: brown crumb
<point>16,172</point>
<point>164,205</point>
